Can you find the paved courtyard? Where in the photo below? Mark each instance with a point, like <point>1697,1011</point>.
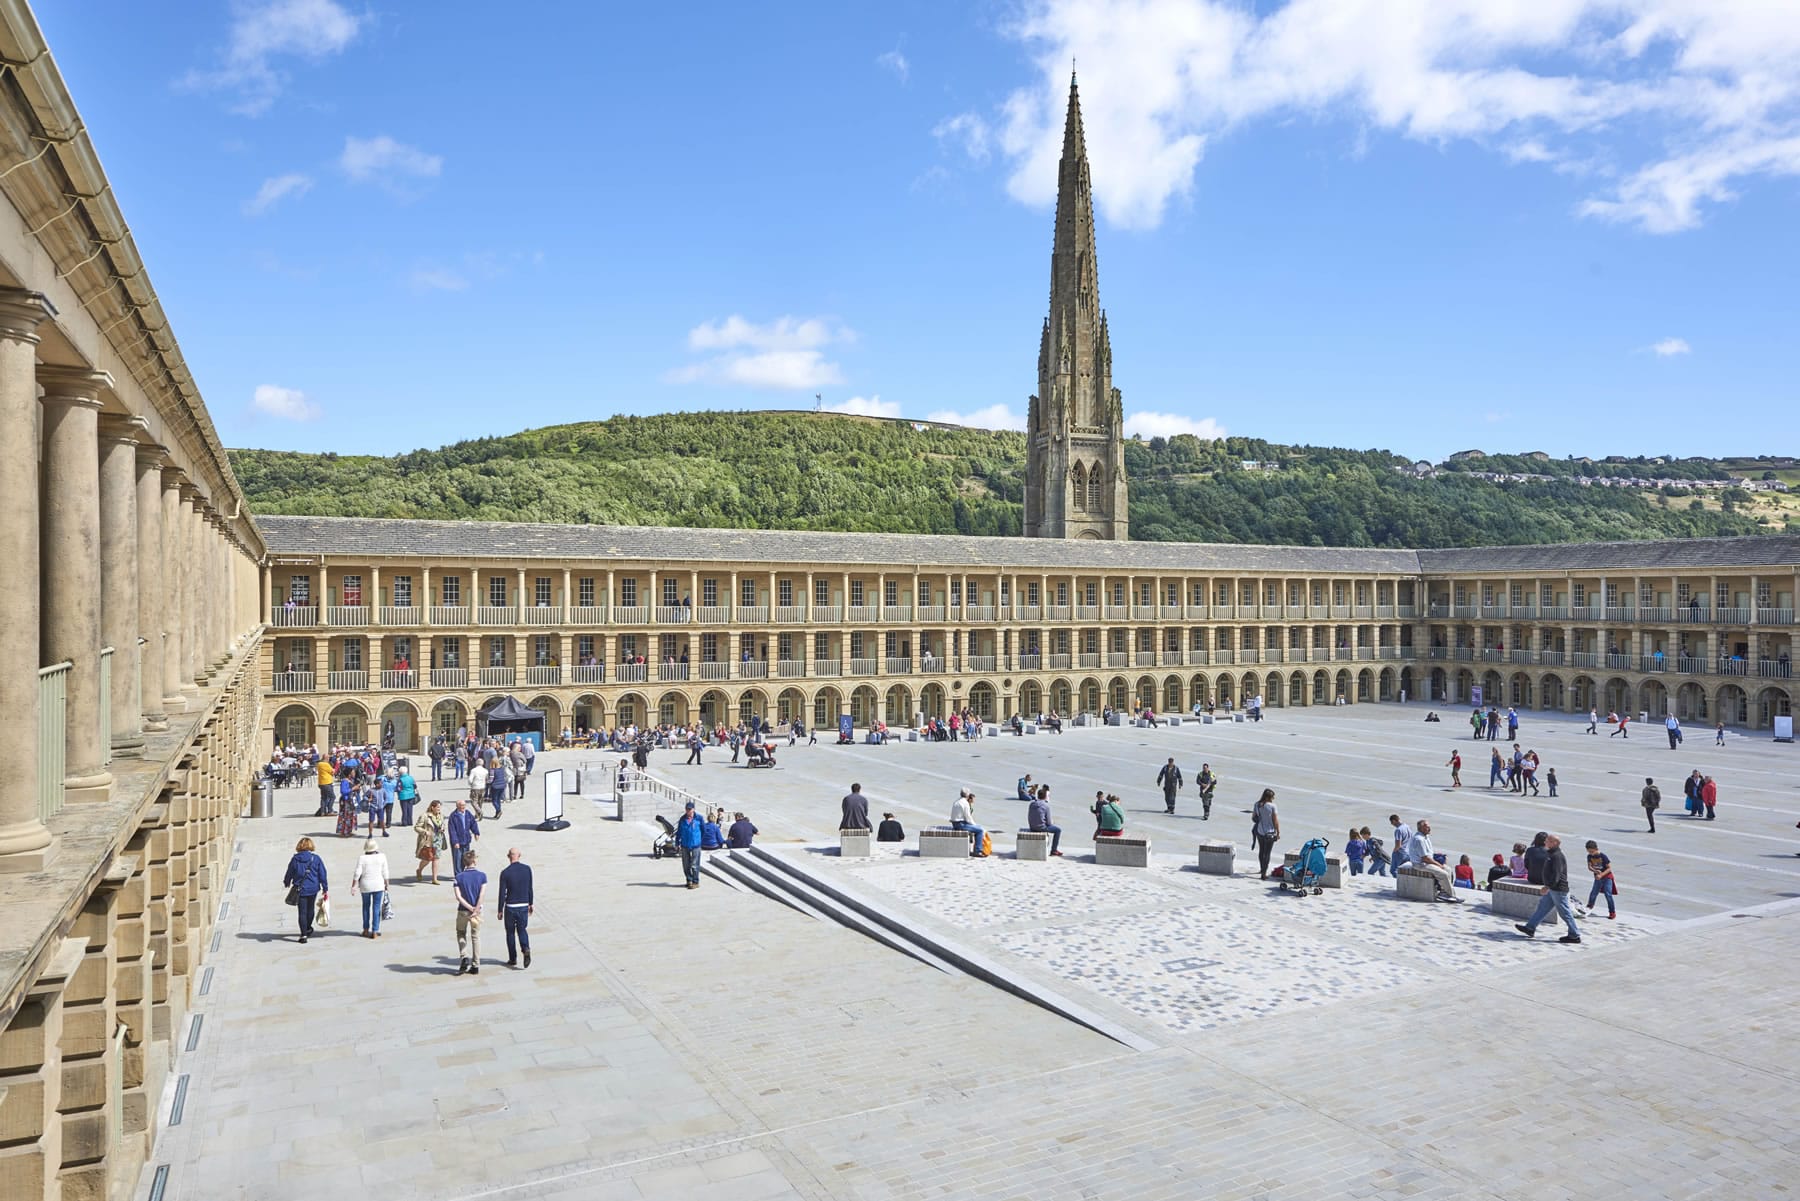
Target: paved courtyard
<point>718,1044</point>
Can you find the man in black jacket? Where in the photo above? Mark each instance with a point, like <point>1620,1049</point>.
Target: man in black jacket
<point>1555,894</point>
<point>1170,779</point>
<point>516,907</point>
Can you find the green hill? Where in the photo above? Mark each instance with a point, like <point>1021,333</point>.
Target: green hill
<point>833,472</point>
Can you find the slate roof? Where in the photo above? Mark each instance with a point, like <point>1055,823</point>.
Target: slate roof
<point>340,537</point>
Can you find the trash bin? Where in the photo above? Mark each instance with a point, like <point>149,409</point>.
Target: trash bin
<point>262,799</point>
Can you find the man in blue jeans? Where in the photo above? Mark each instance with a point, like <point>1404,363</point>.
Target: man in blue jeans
<point>688,833</point>
<point>463,828</point>
<point>1037,817</point>
<point>517,904</point>
<point>961,818</point>
<point>1402,840</point>
<point>1555,896</point>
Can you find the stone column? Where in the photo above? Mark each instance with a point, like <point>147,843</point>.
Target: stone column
<point>174,601</point>
<point>119,596</point>
<point>71,566</point>
<point>152,599</point>
<point>25,842</point>
<point>193,671</point>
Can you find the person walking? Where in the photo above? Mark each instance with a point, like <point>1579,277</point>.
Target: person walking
<point>1265,828</point>
<point>461,759</point>
<point>855,809</point>
<point>689,832</point>
<point>499,776</point>
<point>1555,894</point>
<point>1709,796</point>
<point>477,781</point>
<point>462,827</point>
<point>1651,800</point>
<point>328,793</point>
<point>370,878</point>
<point>1037,819</point>
<point>306,883</point>
<point>436,755</point>
<point>517,904</point>
<point>1207,783</point>
<point>695,742</point>
<point>515,772</point>
<point>1604,883</point>
<point>1455,766</point>
<point>429,840</point>
<point>406,790</point>
<point>1170,779</point>
<point>1496,768</point>
<point>1719,734</point>
<point>1673,726</point>
<point>470,881</point>
<point>1593,721</point>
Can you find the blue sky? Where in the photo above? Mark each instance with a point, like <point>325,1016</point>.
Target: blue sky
<point>1423,225</point>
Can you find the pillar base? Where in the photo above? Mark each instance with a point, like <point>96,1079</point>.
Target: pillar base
<point>155,723</point>
<point>130,746</point>
<point>87,790</point>
<point>175,703</point>
<point>19,863</point>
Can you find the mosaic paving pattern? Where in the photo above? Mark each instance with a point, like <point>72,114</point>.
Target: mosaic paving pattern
<point>1203,966</point>
<point>982,894</point>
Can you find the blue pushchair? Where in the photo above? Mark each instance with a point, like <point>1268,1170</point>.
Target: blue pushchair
<point>1309,870</point>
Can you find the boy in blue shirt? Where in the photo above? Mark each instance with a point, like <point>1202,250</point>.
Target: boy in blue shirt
<point>1357,850</point>
<point>469,883</point>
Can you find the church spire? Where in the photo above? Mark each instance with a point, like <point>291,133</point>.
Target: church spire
<point>1075,485</point>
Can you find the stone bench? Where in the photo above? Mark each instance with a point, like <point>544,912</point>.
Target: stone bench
<point>1207,719</point>
<point>1033,845</point>
<point>1031,727</point>
<point>912,736</point>
<point>1122,852</point>
<point>1517,898</point>
<point>1217,858</point>
<point>1334,869</point>
<point>1415,883</point>
<point>854,843</point>
<point>941,842</point>
<point>1175,723</point>
<point>1237,717</point>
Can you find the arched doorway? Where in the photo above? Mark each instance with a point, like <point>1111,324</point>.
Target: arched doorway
<point>1343,686</point>
<point>349,724</point>
<point>897,707</point>
<point>551,708</point>
<point>1297,688</point>
<point>790,706</point>
<point>1691,703</point>
<point>400,726</point>
<point>1618,695</point>
<point>1386,684</point>
<point>1321,688</point>
<point>1171,701</point>
<point>1407,691</point>
<point>1144,696</point>
<point>715,708</point>
<point>1653,698</point>
<point>1552,692</point>
<point>1031,698</point>
<point>1733,705</point>
<point>931,700</point>
<point>1584,693</point>
<point>448,716</point>
<point>294,726</point>
<point>1365,686</point>
<point>633,710</point>
<point>672,708</point>
<point>1518,690</point>
<point>1440,685</point>
<point>753,703</point>
<point>1200,688</point>
<point>981,700</point>
<point>862,707</point>
<point>827,704</point>
<point>1772,702</point>
<point>590,712</point>
<point>1090,695</point>
<point>1062,697</point>
<point>1225,688</point>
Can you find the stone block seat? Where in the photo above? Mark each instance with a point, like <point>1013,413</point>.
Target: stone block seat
<point>1517,899</point>
<point>942,842</point>
<point>854,843</point>
<point>1334,869</point>
<point>1122,852</point>
<point>1217,858</point>
<point>1034,845</point>
<point>1414,883</point>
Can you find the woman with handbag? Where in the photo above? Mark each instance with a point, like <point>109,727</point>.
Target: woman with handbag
<point>432,840</point>
<point>306,884</point>
<point>370,878</point>
<point>1265,827</point>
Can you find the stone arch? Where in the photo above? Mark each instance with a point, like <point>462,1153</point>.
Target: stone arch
<point>1365,685</point>
<point>1062,696</point>
<point>1653,698</point>
<point>1341,686</point>
<point>897,707</point>
<point>294,724</point>
<point>1144,693</point>
<point>1551,691</point>
<point>1732,705</point>
<point>1031,698</point>
<point>1386,684</point>
<point>1091,694</point>
<point>405,718</point>
<point>1118,693</point>
<point>449,714</point>
<point>1493,688</point>
<point>1200,688</point>
<point>827,703</point>
<point>1225,687</point>
<point>1519,691</point>
<point>1440,685</point>
<point>1171,701</point>
<point>715,708</point>
<point>931,701</point>
<point>1584,692</point>
<point>753,702</point>
<point>982,700</point>
<point>1617,695</point>
<point>553,716</point>
<point>589,712</point>
<point>862,706</point>
<point>790,706</point>
<point>1078,487</point>
<point>1465,687</point>
<point>1297,688</point>
<point>1773,702</point>
<point>672,707</point>
<point>348,722</point>
<point>632,709</point>
<point>1692,703</point>
<point>1406,684</point>
<point>1321,687</point>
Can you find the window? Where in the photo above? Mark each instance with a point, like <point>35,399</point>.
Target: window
<point>628,596</point>
<point>1222,639</point>
<point>628,646</point>
<point>452,585</point>
<point>1199,594</point>
<point>747,592</point>
<point>856,592</point>
<point>1271,593</point>
<point>1095,477</point>
<point>955,592</point>
<point>709,648</point>
<point>1723,596</point>
<point>584,592</point>
<point>856,644</point>
<point>891,644</point>
<point>403,649</point>
<point>541,592</point>
<point>1247,593</point>
<point>1171,640</point>
<point>352,585</point>
<point>671,592</point>
<point>1224,593</point>
<point>540,650</point>
<point>1005,591</point>
<point>1318,594</point>
<point>1145,595</point>
<point>1145,639</point>
<point>1612,596</point>
<point>1090,593</point>
<point>450,652</point>
<point>300,589</point>
<point>821,592</point>
<point>890,593</point>
<point>1518,596</point>
<point>1762,594</point>
<point>1090,642</point>
<point>924,594</point>
<point>353,654</point>
<point>1031,594</point>
<point>497,652</point>
<point>786,591</point>
<point>1078,487</point>
<point>1337,594</point>
<point>1578,595</point>
<point>784,646</point>
<point>1462,595</point>
<point>1197,638</point>
<point>667,648</point>
<point>1546,596</point>
<point>1062,594</point>
<point>1118,594</point>
<point>497,591</point>
<point>821,646</point>
<point>709,592</point>
<point>1061,642</point>
<point>584,647</point>
<point>298,656</point>
<point>402,592</point>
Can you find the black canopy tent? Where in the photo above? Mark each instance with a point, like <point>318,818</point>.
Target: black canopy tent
<point>506,719</point>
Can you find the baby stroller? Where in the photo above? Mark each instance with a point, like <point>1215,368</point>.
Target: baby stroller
<point>664,845</point>
<point>1309,871</point>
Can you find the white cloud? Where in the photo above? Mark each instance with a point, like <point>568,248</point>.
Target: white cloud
<point>382,160</point>
<point>896,62</point>
<point>994,417</point>
<point>969,133</point>
<point>437,279</point>
<point>1709,90</point>
<point>276,189</point>
<point>1167,425</point>
<point>1670,346</point>
<point>264,32</point>
<point>289,404</point>
<point>784,354</point>
<point>866,406</point>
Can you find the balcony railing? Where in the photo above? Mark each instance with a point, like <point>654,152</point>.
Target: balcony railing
<point>864,614</point>
<point>756,615</point>
<point>1028,612</point>
<point>931,665</point>
<point>1775,669</point>
<point>1775,617</point>
<point>1690,666</point>
<point>544,677</point>
<point>1732,617</point>
<point>827,667</point>
<point>498,677</point>
<point>1060,662</point>
<point>1144,658</point>
<point>292,681</point>
<point>290,618</point>
<point>399,679</point>
<point>1088,660</point>
<point>449,615</point>
<point>496,615</point>
<point>714,670</point>
<point>673,614</point>
<point>631,673</point>
<point>347,615</point>
<point>53,737</point>
<point>1653,663</point>
<point>753,669</point>
<point>1618,662</point>
<point>631,615</point>
<point>1224,656</point>
<point>541,615</point>
<point>790,614</point>
<point>588,673</point>
<point>449,677</point>
<point>827,614</point>
<point>587,615</point>
<point>896,612</point>
<point>400,615</point>
<point>347,681</point>
<point>931,612</point>
<point>978,612</point>
<point>671,672</point>
<point>1584,659</point>
<point>1118,659</point>
<point>790,669</point>
<point>1734,667</point>
<point>1031,661</point>
<point>1057,612</point>
<point>864,667</point>
<point>899,665</point>
<point>982,663</point>
<point>1693,614</point>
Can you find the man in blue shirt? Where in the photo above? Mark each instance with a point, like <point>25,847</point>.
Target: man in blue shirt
<point>741,834</point>
<point>516,907</point>
<point>469,883</point>
<point>462,828</point>
<point>1038,818</point>
<point>498,778</point>
<point>1024,789</point>
<point>688,833</point>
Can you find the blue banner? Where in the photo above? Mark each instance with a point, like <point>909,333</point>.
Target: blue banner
<point>846,727</point>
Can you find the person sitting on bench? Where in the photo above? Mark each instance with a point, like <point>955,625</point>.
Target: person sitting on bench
<point>1110,818</point>
<point>962,814</point>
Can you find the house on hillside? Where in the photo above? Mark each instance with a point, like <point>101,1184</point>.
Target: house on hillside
<point>1537,456</point>
<point>1460,455</point>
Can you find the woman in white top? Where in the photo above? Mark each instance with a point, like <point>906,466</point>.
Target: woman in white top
<point>371,879</point>
<point>478,778</point>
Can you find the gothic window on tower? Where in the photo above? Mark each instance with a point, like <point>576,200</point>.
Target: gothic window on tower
<point>1080,486</point>
<point>1093,489</point>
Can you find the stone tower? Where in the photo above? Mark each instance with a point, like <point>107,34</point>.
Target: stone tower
<point>1075,473</point>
